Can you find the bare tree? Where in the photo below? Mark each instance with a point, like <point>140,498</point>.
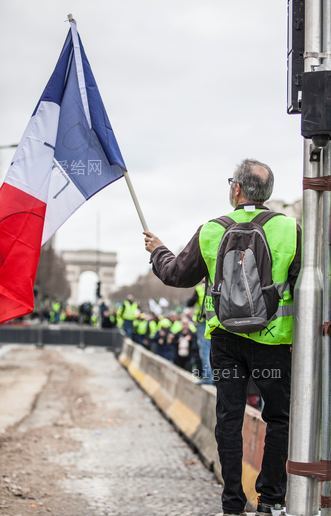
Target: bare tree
<point>51,280</point>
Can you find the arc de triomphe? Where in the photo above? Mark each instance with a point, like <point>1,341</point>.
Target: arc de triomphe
<point>100,262</point>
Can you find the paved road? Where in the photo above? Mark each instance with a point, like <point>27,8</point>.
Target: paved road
<point>94,445</point>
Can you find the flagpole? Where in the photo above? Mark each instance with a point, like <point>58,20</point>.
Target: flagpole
<point>135,201</point>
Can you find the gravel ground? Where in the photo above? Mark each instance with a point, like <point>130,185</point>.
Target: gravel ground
<point>94,445</point>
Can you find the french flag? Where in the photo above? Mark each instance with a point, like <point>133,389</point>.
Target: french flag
<point>68,153</point>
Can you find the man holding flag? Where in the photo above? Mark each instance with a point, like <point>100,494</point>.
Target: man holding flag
<point>237,355</point>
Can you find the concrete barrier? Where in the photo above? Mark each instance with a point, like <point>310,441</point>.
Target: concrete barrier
<point>191,408</point>
<point>62,334</point>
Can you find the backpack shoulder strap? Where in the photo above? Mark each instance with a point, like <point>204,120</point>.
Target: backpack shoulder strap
<point>224,221</point>
<point>263,217</point>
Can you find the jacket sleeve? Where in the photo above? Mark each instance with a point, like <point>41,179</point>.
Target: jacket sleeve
<point>295,266</point>
<point>185,270</point>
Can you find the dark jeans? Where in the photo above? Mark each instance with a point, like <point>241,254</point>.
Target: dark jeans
<point>128,327</point>
<point>234,360</point>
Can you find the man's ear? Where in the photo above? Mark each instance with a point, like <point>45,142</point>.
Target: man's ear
<point>237,189</point>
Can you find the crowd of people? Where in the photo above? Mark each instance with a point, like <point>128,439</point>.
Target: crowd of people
<point>174,336</point>
<point>55,312</point>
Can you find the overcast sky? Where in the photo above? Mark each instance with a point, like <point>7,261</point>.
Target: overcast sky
<point>191,88</point>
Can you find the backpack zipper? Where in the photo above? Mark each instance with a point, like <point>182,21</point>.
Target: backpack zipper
<point>249,295</point>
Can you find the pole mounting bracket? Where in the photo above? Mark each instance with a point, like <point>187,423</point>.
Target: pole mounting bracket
<point>326,329</point>
<point>321,184</point>
<point>320,470</point>
<point>325,502</point>
<point>317,55</point>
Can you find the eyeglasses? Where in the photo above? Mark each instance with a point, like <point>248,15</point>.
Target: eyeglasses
<point>231,181</point>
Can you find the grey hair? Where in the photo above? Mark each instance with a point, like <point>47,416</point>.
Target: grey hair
<point>253,186</point>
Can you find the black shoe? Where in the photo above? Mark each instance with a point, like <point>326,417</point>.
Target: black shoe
<point>265,509</point>
<point>231,514</point>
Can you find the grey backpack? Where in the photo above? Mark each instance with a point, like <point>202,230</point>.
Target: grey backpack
<point>244,295</point>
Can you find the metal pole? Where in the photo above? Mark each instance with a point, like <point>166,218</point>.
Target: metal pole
<point>326,340</point>
<point>12,146</point>
<point>303,492</point>
<point>326,257</point>
<point>135,201</point>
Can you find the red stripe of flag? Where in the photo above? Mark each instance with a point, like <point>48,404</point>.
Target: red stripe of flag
<point>21,226</point>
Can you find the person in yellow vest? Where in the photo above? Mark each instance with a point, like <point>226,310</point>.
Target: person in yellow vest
<point>185,344</point>
<point>177,321</point>
<point>164,341</point>
<point>94,319</point>
<point>197,300</point>
<point>55,312</point>
<point>153,325</point>
<point>119,318</point>
<point>128,313</point>
<point>109,318</point>
<point>140,329</point>
<point>153,329</point>
<point>164,323</point>
<point>252,259</point>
